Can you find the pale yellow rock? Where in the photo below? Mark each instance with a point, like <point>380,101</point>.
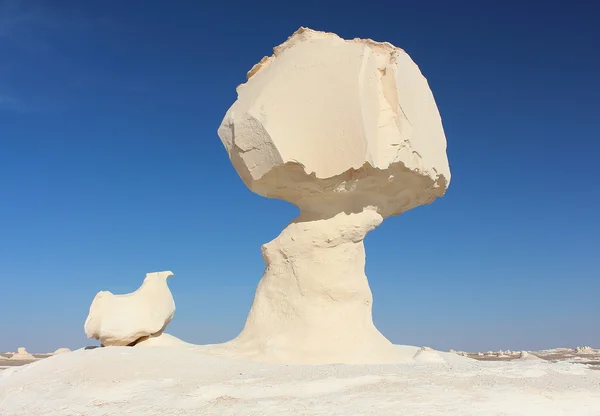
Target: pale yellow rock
<point>348,131</point>
<point>61,351</point>
<point>123,319</point>
<point>22,354</point>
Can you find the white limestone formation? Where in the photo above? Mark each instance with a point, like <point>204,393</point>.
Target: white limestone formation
<point>22,354</point>
<point>349,132</point>
<point>61,351</point>
<point>123,319</point>
<point>585,350</point>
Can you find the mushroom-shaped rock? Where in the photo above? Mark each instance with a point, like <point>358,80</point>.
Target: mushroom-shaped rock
<point>22,354</point>
<point>428,355</point>
<point>349,132</point>
<point>123,319</point>
<point>61,351</point>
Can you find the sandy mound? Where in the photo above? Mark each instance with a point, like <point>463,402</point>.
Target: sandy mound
<point>526,356</point>
<point>163,340</point>
<point>428,355</point>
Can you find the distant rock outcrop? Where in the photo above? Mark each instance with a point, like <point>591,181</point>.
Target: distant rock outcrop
<point>22,354</point>
<point>61,351</point>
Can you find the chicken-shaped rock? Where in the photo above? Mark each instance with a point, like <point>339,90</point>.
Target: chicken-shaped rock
<point>119,320</point>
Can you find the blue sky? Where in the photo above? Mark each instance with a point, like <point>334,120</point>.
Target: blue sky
<point>110,167</point>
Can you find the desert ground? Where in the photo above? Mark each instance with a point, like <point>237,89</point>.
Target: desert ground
<point>591,359</point>
<point>161,381</point>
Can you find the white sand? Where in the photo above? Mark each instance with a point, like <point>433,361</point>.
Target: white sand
<point>160,381</point>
